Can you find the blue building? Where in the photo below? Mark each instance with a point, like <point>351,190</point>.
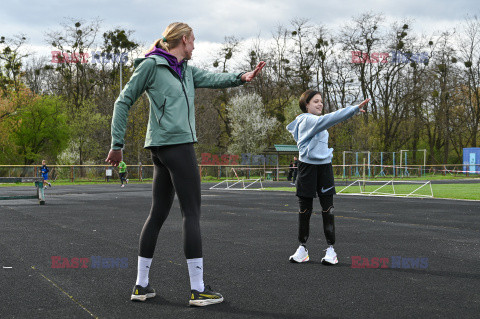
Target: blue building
<point>471,160</point>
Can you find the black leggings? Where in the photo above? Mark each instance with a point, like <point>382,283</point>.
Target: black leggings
<point>175,170</point>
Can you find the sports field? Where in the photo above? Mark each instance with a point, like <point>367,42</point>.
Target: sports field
<point>428,248</point>
<point>437,189</point>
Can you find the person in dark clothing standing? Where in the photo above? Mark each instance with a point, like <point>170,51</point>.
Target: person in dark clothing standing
<point>290,171</point>
<point>295,169</point>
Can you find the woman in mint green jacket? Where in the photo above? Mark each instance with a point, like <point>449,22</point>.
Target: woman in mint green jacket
<point>170,83</point>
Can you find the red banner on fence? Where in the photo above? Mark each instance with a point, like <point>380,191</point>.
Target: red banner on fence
<point>224,159</point>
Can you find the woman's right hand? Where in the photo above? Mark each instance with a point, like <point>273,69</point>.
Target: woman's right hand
<point>114,157</point>
<point>247,77</point>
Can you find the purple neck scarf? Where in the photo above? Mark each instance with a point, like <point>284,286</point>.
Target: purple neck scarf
<point>171,59</point>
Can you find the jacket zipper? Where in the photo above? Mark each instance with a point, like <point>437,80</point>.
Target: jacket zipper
<point>186,98</point>
<point>163,111</point>
<point>188,114</point>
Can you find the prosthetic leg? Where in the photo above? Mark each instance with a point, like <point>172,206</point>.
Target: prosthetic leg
<point>329,229</point>
<point>329,225</point>
<point>306,208</point>
<point>328,218</point>
<point>304,225</point>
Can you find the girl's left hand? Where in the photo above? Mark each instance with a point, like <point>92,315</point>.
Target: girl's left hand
<point>363,104</point>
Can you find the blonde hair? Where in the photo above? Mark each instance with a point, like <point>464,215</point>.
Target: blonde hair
<point>172,36</point>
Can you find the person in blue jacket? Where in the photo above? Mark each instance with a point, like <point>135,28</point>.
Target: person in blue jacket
<point>315,172</point>
<point>45,171</point>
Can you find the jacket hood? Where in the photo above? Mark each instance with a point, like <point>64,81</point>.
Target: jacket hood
<point>158,60</point>
<point>164,60</point>
<point>293,126</point>
<point>176,65</point>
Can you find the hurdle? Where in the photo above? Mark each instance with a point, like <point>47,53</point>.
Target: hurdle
<point>38,184</point>
<point>235,184</point>
<point>231,183</point>
<point>380,190</point>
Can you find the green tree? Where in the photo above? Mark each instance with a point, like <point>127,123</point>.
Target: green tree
<point>87,127</point>
<point>7,147</point>
<point>39,128</point>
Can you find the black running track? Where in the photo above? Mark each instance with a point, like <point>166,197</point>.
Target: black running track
<point>248,237</point>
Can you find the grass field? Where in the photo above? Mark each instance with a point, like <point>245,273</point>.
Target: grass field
<point>453,191</point>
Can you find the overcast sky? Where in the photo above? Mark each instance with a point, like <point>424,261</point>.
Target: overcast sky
<point>212,20</point>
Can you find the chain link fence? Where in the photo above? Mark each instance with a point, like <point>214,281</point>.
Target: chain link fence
<point>105,173</point>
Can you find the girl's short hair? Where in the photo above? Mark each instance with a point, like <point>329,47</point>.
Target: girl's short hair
<point>305,99</point>
<point>172,36</point>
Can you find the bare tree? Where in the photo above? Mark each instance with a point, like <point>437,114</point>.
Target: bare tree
<point>470,91</point>
<point>11,57</point>
<point>76,78</point>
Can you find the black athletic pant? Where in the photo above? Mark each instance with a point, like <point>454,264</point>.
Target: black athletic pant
<point>306,209</point>
<point>122,177</point>
<point>175,170</point>
<point>313,180</point>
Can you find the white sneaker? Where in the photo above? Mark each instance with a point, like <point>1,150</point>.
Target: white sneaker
<point>300,256</point>
<point>330,257</point>
<point>122,185</point>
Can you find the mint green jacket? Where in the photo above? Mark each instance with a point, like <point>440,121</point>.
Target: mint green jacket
<point>172,110</point>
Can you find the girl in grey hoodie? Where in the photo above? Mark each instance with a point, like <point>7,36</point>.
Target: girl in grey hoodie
<point>315,172</point>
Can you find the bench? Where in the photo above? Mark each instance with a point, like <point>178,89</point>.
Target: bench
<point>38,184</point>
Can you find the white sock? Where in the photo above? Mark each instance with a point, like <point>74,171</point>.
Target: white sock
<point>143,270</point>
<point>195,270</point>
